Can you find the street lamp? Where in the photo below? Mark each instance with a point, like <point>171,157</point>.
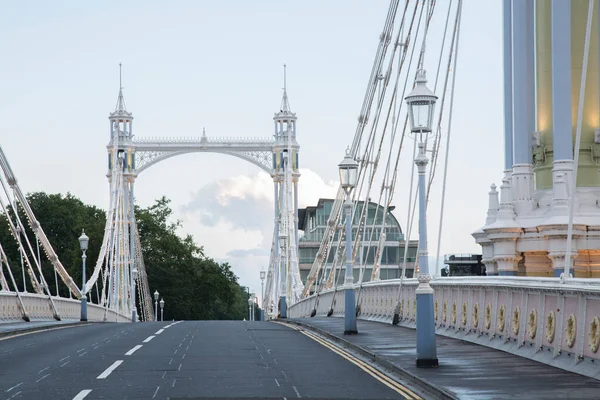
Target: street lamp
<point>162,309</point>
<point>263,275</point>
<point>253,297</point>
<point>83,244</point>
<point>421,103</point>
<point>348,178</point>
<point>282,277</point>
<point>156,305</point>
<point>134,275</point>
<point>250,302</point>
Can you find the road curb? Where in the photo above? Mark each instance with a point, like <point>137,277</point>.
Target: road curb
<point>439,391</point>
<point>33,329</point>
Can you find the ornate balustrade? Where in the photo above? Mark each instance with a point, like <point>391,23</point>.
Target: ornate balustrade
<point>39,309</point>
<point>538,318</point>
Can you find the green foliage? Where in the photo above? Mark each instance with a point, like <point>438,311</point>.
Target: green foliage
<point>193,285</point>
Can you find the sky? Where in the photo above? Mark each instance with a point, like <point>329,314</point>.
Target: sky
<point>189,65</point>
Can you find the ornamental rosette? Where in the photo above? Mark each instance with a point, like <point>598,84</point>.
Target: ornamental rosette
<point>516,319</point>
<point>475,315</point>
<point>532,324</point>
<point>571,330</point>
<point>550,327</point>
<point>594,334</point>
<point>454,312</point>
<point>488,316</point>
<point>463,314</point>
<point>501,318</point>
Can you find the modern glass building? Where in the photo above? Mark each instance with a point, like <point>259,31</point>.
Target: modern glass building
<point>313,220</point>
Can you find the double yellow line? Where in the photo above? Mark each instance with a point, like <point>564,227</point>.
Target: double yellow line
<point>386,380</point>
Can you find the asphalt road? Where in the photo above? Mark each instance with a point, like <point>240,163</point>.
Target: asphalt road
<point>196,359</point>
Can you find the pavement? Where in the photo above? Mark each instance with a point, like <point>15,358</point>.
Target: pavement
<point>190,359</point>
<point>14,328</point>
<point>466,370</point>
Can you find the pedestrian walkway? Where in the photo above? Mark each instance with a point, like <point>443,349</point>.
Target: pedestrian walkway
<point>466,370</point>
<point>10,328</point>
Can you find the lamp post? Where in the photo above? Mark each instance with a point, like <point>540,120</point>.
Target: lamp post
<point>263,275</point>
<point>162,309</point>
<point>156,294</point>
<point>250,309</point>
<point>134,275</point>
<point>421,103</point>
<point>282,277</point>
<point>253,298</point>
<point>348,177</point>
<point>83,244</point>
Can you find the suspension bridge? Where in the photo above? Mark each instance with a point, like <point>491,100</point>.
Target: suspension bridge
<point>540,299</point>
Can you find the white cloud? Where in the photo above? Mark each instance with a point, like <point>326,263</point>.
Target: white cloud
<point>233,218</point>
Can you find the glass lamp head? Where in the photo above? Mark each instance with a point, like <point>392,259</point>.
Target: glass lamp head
<point>83,241</point>
<point>348,172</point>
<point>421,105</point>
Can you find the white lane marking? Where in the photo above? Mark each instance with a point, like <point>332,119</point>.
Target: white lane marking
<point>179,369</point>
<point>286,377</point>
<point>16,386</point>
<point>187,348</point>
<point>15,395</point>
<point>80,350</point>
<point>296,390</point>
<point>165,373</point>
<point>93,344</point>
<point>174,380</point>
<point>83,354</point>
<point>156,391</point>
<point>158,332</point>
<point>63,359</point>
<point>42,370</point>
<point>42,378</point>
<point>170,361</point>
<point>95,347</point>
<point>81,395</point>
<point>175,352</point>
<point>149,338</point>
<point>183,356</point>
<point>110,369</point>
<point>62,365</point>
<point>277,382</point>
<point>133,350</point>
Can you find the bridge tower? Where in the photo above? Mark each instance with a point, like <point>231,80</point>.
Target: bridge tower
<point>526,229</point>
<point>120,254</point>
<point>285,191</point>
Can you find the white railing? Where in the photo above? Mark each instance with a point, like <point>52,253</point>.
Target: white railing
<point>538,318</point>
<point>204,139</point>
<point>38,308</point>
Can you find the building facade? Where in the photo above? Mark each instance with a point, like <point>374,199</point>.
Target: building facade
<point>312,222</point>
<point>463,265</point>
<point>526,229</point>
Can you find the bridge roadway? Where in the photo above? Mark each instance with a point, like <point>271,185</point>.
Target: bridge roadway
<point>192,359</point>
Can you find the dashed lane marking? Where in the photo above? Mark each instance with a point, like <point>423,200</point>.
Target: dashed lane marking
<point>110,369</point>
<point>81,395</point>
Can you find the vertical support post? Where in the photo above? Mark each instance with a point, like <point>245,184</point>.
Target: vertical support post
<point>276,236</point>
<point>83,294</point>
<point>132,249</point>
<point>561,82</point>
<point>262,299</point>
<point>426,342</point>
<point>507,63</point>
<point>350,301</point>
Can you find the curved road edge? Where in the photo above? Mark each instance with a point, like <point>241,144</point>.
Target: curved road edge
<point>379,361</point>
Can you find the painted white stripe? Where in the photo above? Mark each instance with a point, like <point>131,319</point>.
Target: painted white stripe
<point>149,338</point>
<point>110,369</point>
<point>158,332</point>
<point>136,348</point>
<point>16,386</point>
<point>81,395</point>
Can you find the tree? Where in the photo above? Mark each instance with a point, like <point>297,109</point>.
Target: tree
<point>193,285</point>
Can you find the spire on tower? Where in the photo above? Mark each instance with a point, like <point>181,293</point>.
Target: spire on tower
<point>285,104</point>
<point>120,109</point>
<point>120,100</point>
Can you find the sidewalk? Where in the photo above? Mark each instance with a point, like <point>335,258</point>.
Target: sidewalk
<point>13,328</point>
<point>467,370</point>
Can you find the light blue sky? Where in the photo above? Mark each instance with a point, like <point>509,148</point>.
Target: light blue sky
<point>189,64</point>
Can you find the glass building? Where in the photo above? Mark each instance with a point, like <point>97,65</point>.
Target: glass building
<point>313,220</point>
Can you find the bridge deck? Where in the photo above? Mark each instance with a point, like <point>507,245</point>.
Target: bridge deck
<point>469,370</point>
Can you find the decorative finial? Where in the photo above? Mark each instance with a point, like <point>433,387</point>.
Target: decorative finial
<point>203,131</point>
<point>120,81</point>
<point>348,151</point>
<point>284,78</point>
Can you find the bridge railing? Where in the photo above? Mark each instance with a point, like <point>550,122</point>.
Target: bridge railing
<point>540,318</point>
<point>205,139</point>
<point>38,309</point>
